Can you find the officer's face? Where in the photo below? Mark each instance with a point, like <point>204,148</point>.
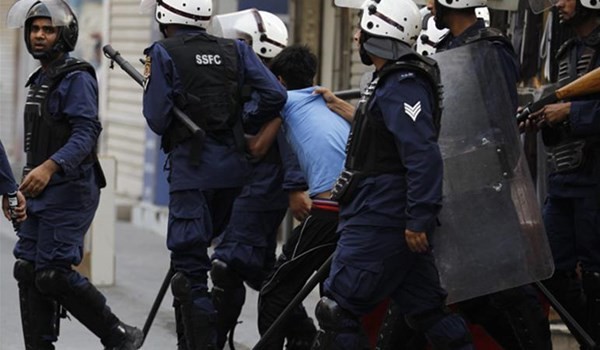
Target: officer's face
<point>431,6</point>
<point>42,35</point>
<point>566,9</point>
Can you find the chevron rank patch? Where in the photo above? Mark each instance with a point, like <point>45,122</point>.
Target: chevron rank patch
<point>412,111</point>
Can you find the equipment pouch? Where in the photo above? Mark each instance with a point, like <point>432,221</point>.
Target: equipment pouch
<point>345,186</point>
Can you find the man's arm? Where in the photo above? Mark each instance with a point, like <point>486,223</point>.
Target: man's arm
<point>259,144</point>
<point>336,104</point>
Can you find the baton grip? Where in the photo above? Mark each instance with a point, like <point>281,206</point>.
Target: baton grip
<point>114,55</point>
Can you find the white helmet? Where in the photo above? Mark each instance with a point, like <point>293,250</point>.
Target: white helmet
<point>484,14</point>
<point>187,12</point>
<point>264,31</point>
<point>430,35</point>
<point>462,4</point>
<point>591,4</point>
<point>395,19</point>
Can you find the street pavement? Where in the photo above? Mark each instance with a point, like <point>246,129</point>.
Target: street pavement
<point>141,264</point>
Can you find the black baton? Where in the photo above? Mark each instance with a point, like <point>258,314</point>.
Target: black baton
<point>157,301</point>
<point>129,69</point>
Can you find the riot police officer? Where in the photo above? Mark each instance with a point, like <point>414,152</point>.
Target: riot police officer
<point>514,317</point>
<point>62,181</point>
<point>390,191</point>
<point>203,75</point>
<point>8,185</point>
<point>246,251</point>
<point>571,134</point>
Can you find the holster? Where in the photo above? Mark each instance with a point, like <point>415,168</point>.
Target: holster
<point>345,186</point>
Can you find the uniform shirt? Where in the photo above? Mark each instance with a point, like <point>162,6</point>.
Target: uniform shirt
<point>75,98</point>
<point>413,199</point>
<point>7,180</point>
<point>221,166</point>
<point>317,136</point>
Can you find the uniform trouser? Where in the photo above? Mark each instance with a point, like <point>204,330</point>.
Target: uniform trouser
<point>244,254</point>
<point>373,263</point>
<point>308,247</point>
<point>248,243</point>
<point>51,240</point>
<point>195,218</point>
<point>573,229</point>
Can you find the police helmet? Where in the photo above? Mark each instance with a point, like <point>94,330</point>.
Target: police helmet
<point>195,13</point>
<point>264,31</point>
<point>394,19</point>
<point>590,4</point>
<point>462,4</point>
<point>430,35</point>
<point>62,17</point>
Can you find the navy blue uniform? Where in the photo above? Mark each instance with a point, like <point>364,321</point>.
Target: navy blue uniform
<point>202,195</point>
<point>7,180</point>
<point>59,217</point>
<point>572,207</point>
<point>373,261</point>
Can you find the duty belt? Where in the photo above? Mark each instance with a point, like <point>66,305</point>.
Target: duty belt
<point>566,157</point>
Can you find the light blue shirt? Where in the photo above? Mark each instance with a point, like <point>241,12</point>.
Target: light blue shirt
<point>317,136</point>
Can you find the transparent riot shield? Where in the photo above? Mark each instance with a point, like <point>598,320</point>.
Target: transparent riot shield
<point>491,235</point>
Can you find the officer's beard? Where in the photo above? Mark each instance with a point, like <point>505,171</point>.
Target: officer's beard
<point>48,56</point>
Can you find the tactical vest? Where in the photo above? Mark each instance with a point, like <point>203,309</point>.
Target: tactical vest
<point>45,134</point>
<point>565,151</point>
<point>208,69</point>
<point>371,147</point>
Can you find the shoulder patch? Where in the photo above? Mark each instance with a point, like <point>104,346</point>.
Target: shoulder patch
<point>412,111</point>
<point>147,70</point>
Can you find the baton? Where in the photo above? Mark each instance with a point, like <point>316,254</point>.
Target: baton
<point>115,56</point>
<point>579,333</point>
<point>157,301</point>
<point>587,84</point>
<point>347,94</point>
<point>319,276</point>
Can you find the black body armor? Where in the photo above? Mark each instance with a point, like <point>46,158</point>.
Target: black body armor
<point>208,68</point>
<point>45,134</point>
<point>371,148</point>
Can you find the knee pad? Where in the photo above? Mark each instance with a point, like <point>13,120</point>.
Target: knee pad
<point>52,282</point>
<point>24,272</point>
<point>224,277</point>
<point>331,316</point>
<point>181,288</point>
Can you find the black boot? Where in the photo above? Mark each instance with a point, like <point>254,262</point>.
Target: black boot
<point>228,297</point>
<point>89,307</point>
<point>39,314</point>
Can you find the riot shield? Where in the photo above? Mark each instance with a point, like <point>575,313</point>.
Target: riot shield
<point>491,235</point>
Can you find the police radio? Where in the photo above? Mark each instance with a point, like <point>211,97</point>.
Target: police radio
<point>13,203</point>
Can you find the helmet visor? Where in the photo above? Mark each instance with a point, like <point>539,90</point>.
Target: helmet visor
<point>147,6</point>
<point>60,13</point>
<point>539,6</point>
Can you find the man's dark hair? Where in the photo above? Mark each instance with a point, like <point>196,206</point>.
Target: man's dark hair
<point>296,65</point>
